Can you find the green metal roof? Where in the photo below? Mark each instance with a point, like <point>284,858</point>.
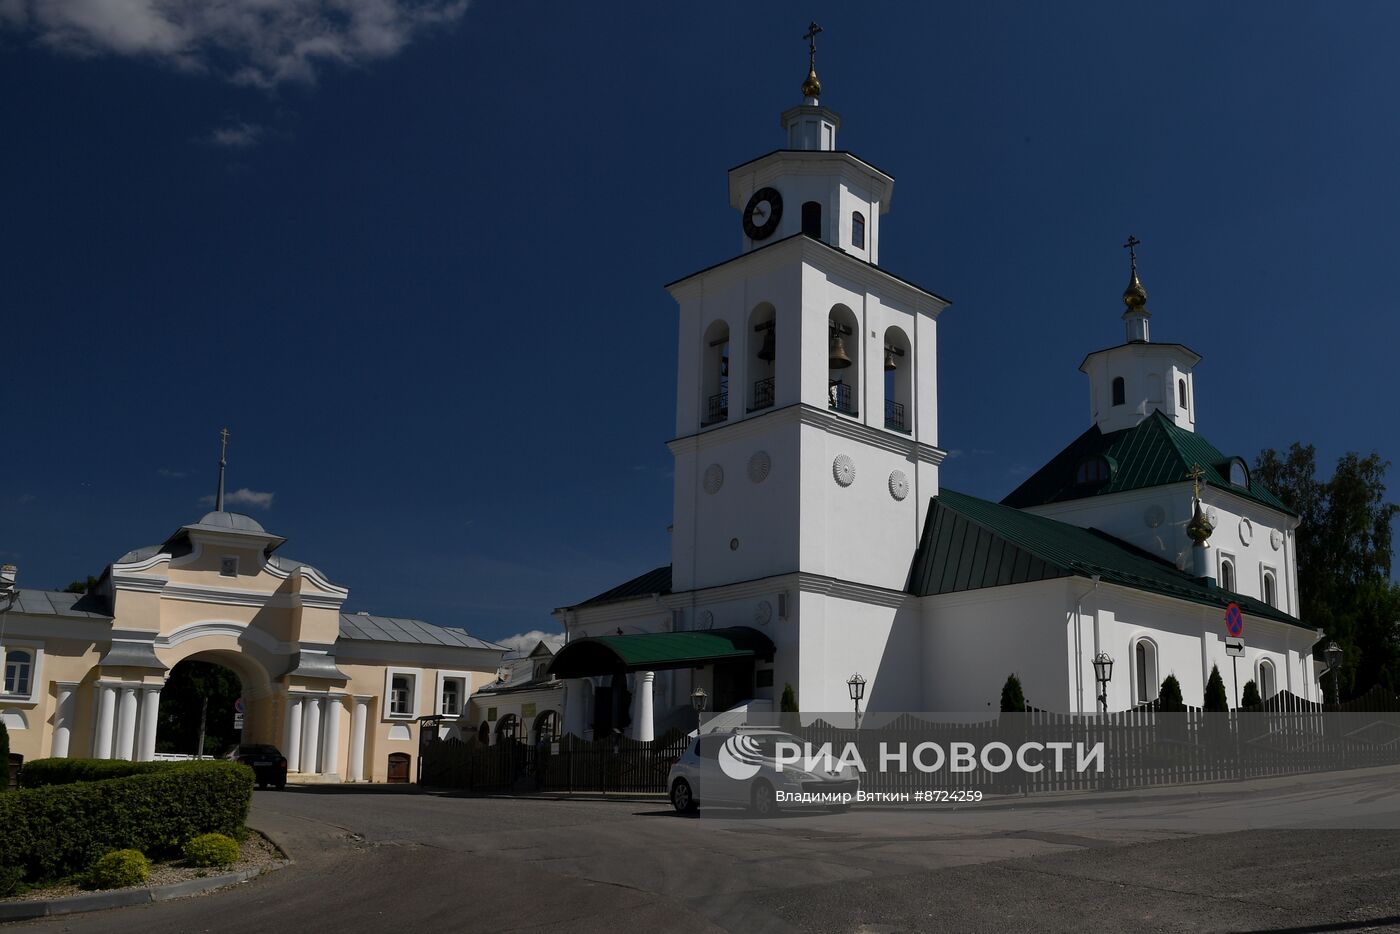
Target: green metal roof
<point>970,544</point>
<point>658,651</point>
<point>1152,453</point>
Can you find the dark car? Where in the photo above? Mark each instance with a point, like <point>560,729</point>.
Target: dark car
<point>268,765</point>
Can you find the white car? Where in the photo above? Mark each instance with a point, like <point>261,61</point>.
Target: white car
<point>739,767</point>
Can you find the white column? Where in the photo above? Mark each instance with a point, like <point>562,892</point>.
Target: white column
<point>292,743</point>
<point>150,709</point>
<point>106,716</point>
<point>642,729</point>
<point>359,716</point>
<point>310,735</point>
<point>63,719</point>
<point>126,725</point>
<point>330,744</point>
<point>576,693</point>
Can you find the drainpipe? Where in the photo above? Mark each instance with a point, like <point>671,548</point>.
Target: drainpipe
<point>1079,641</point>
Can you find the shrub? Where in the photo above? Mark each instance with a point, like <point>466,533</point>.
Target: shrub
<point>119,869</point>
<point>61,830</point>
<point>1215,692</point>
<point>212,849</point>
<point>1170,695</point>
<point>1250,697</point>
<point>789,701</point>
<point>1012,699</point>
<point>43,772</point>
<point>5,754</point>
<point>10,878</point>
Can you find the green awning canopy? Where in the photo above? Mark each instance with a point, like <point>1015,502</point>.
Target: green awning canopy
<point>658,651</point>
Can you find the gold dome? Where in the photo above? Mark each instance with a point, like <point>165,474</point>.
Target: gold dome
<point>812,87</point>
<point>1134,296</point>
<point>1198,529</point>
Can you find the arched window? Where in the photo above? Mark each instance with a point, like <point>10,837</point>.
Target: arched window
<point>508,728</point>
<point>1145,681</point>
<point>1239,474</point>
<point>547,726</point>
<point>19,668</point>
<point>1119,390</point>
<point>1270,589</point>
<point>714,393</point>
<point>1227,574</point>
<point>899,381</point>
<point>1181,392</point>
<point>812,219</point>
<point>762,337</point>
<point>843,361</point>
<point>858,230</point>
<point>1268,681</point>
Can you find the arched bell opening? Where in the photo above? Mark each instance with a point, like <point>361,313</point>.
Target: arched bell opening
<point>843,361</point>
<point>762,336</point>
<point>714,388</point>
<point>899,381</point>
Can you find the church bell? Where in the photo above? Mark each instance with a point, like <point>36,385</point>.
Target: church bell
<point>836,358</point>
<point>769,350</point>
<point>890,364</point>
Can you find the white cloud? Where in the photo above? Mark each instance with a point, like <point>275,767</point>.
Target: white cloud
<point>236,135</point>
<point>525,641</point>
<point>169,474</point>
<point>261,43</point>
<point>243,497</point>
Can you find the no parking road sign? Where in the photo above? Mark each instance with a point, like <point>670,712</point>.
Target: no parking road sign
<point>1234,620</point>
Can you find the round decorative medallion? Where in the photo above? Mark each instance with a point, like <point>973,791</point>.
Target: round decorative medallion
<point>899,485</point>
<point>1246,531</point>
<point>705,620</point>
<point>1276,539</point>
<point>714,478</point>
<point>1154,517</point>
<point>759,465</point>
<point>733,544</point>
<point>763,612</point>
<point>844,470</point>
<point>1211,517</point>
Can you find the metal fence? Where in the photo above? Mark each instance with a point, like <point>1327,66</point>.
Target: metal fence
<point>568,764</point>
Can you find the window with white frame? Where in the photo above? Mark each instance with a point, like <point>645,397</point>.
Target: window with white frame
<point>1270,589</point>
<point>401,693</point>
<point>19,672</point>
<point>1268,681</point>
<point>1145,680</point>
<point>451,701</point>
<point>1227,572</point>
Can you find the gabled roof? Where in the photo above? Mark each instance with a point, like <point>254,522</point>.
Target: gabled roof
<point>1152,453</point>
<point>654,583</point>
<point>367,628</point>
<point>971,544</point>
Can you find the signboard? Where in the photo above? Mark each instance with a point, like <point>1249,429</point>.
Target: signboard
<point>238,721</point>
<point>238,706</point>
<point>1234,647</point>
<point>1234,620</point>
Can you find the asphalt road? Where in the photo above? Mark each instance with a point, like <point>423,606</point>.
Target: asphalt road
<point>389,859</point>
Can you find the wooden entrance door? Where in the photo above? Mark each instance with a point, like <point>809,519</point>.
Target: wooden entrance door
<point>398,768</point>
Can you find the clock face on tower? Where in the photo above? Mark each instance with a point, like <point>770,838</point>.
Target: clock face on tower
<point>762,214</point>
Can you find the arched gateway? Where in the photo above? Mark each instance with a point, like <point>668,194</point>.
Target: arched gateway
<point>339,694</point>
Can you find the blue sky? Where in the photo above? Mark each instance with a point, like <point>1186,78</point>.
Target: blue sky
<point>413,255</point>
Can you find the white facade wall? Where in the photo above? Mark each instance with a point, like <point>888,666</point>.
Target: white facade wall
<point>1150,373</point>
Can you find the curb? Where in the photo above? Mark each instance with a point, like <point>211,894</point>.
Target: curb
<point>99,901</point>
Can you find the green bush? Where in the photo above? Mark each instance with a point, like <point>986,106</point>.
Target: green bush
<point>5,755</point>
<point>212,849</point>
<point>1012,699</point>
<point>61,830</point>
<point>1250,697</point>
<point>10,878</point>
<point>1170,695</point>
<point>43,772</point>
<point>789,701</point>
<point>119,869</point>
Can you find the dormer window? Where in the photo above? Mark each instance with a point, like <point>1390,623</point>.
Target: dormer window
<point>1239,474</point>
<point>858,230</point>
<point>1093,470</point>
<point>1120,392</point>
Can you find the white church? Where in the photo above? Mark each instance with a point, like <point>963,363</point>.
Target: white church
<point>812,541</point>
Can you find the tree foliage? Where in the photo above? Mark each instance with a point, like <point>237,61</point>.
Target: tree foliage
<point>1344,552</point>
<point>1170,695</point>
<point>789,701</point>
<point>1250,697</point>
<point>1216,701</point>
<point>182,702</point>
<point>87,586</point>
<point>1012,699</point>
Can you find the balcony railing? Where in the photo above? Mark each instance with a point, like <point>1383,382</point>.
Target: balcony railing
<point>762,394</point>
<point>718,408</point>
<point>842,397</point>
<point>894,416</point>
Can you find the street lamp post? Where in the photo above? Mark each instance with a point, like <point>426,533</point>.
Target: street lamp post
<point>698,697</point>
<point>856,685</point>
<point>1103,673</point>
<point>1334,654</point>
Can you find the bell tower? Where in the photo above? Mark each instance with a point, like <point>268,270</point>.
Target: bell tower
<point>806,403</point>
